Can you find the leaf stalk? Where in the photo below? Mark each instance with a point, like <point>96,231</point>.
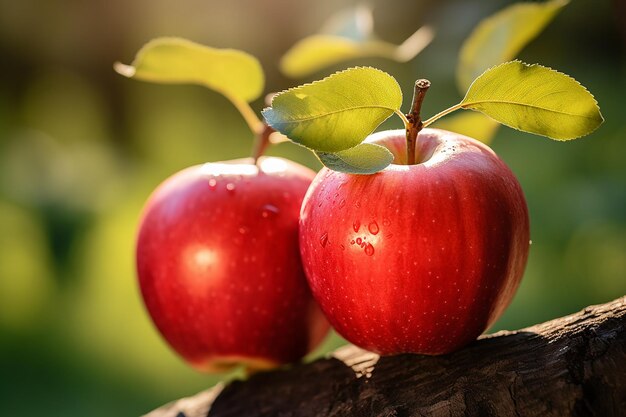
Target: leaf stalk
<point>442,113</point>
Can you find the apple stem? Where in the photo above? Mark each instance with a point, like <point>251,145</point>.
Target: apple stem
<point>261,142</point>
<point>415,120</point>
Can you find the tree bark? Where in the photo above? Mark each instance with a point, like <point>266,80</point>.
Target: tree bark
<point>571,366</point>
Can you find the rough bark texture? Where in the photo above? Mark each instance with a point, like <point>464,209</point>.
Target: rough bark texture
<point>572,366</point>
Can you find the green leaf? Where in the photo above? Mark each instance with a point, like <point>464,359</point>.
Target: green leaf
<point>364,158</point>
<point>338,112</point>
<point>502,36</point>
<point>346,36</point>
<point>472,124</point>
<point>235,74</point>
<point>534,99</point>
<point>317,52</point>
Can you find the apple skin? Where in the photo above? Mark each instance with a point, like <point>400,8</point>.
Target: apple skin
<point>219,267</point>
<point>420,258</point>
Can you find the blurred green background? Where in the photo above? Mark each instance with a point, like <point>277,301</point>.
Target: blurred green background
<point>81,148</point>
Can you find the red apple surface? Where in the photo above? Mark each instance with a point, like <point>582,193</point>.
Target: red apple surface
<point>219,267</point>
<point>416,258</point>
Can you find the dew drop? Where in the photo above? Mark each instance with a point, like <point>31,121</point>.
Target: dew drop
<point>356,225</point>
<point>359,240</point>
<point>269,210</point>
<point>230,186</point>
<point>324,240</point>
<point>386,222</point>
<point>212,183</point>
<point>243,230</point>
<point>373,228</point>
<point>342,203</point>
<point>320,204</point>
<point>352,242</point>
<point>342,247</point>
<point>369,250</point>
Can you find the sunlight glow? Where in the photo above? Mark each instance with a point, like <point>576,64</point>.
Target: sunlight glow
<point>273,165</point>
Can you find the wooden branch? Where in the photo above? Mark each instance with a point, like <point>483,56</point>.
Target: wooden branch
<point>571,366</point>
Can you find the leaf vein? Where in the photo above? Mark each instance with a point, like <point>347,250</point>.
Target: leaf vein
<point>330,113</point>
<point>513,103</point>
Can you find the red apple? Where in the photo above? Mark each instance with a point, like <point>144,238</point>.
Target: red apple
<point>417,258</point>
<point>219,266</point>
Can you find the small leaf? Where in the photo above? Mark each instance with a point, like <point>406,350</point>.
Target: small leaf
<point>502,36</point>
<point>348,35</point>
<point>233,73</point>
<point>317,52</point>
<point>338,112</point>
<point>364,158</point>
<point>534,99</point>
<point>472,124</point>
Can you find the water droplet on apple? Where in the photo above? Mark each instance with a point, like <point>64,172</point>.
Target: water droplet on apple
<point>342,203</point>
<point>352,242</point>
<point>320,204</point>
<point>269,210</point>
<point>369,249</point>
<point>356,225</point>
<point>359,240</point>
<point>342,247</point>
<point>230,186</point>
<point>386,222</point>
<point>373,228</point>
<point>212,183</point>
<point>243,230</point>
<point>324,240</point>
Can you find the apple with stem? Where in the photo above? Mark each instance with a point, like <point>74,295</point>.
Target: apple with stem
<point>417,258</point>
<point>217,249</point>
<point>219,268</point>
<point>416,240</point>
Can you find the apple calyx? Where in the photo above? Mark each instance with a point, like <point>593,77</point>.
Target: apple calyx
<point>414,119</point>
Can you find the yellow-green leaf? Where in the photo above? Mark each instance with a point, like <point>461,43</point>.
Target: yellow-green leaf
<point>364,158</point>
<point>317,52</point>
<point>502,36</point>
<point>235,74</point>
<point>338,112</point>
<point>348,35</point>
<point>534,99</point>
<point>472,124</point>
